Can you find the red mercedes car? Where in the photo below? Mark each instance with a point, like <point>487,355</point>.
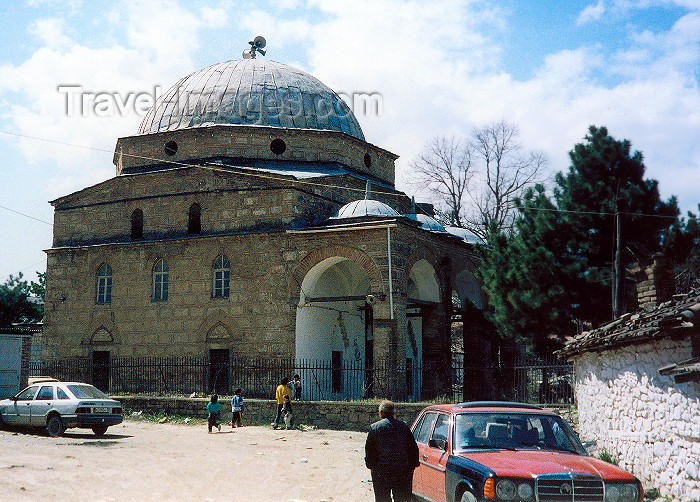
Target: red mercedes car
<point>500,451</point>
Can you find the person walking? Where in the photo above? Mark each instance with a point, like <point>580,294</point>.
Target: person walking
<point>237,408</point>
<point>214,409</point>
<point>281,391</point>
<point>391,453</point>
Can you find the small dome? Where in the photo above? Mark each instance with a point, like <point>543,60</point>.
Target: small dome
<point>464,234</point>
<point>427,222</point>
<point>251,92</point>
<point>365,207</point>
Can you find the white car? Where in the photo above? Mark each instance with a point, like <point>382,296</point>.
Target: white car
<point>57,406</point>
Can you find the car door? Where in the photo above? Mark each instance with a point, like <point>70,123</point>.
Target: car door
<point>421,433</point>
<point>20,412</point>
<point>43,401</point>
<point>434,457</point>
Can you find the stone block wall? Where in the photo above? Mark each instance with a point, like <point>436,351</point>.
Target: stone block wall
<point>26,358</point>
<point>254,142</point>
<point>230,202</point>
<point>647,420</point>
<point>350,416</point>
<point>260,319</point>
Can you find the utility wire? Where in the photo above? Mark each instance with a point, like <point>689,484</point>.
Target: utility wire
<point>243,171</point>
<point>27,216</point>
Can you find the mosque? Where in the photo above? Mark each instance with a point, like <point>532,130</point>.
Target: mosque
<point>249,217</point>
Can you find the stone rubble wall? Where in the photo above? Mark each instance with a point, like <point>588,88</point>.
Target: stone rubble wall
<point>335,415</point>
<point>646,420</point>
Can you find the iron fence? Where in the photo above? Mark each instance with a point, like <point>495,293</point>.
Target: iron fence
<point>544,382</point>
<point>529,379</point>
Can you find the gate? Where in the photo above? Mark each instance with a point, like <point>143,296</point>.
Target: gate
<point>10,365</point>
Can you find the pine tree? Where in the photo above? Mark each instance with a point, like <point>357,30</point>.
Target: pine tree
<point>555,272</point>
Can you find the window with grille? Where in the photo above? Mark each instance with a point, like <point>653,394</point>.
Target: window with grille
<point>160,281</point>
<point>103,292</point>
<point>222,275</point>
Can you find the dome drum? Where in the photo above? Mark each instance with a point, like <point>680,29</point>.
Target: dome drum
<point>148,151</point>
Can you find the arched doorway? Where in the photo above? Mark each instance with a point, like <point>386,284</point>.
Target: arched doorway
<point>333,342</point>
<point>423,299</point>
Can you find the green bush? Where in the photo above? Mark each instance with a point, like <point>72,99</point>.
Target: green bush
<point>606,456</point>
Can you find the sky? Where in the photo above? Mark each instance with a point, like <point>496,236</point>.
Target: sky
<point>438,68</point>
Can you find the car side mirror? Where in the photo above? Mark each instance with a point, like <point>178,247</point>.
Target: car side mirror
<point>14,398</point>
<point>590,446</point>
<point>438,443</point>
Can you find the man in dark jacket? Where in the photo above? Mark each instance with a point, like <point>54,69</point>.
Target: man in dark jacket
<point>391,453</point>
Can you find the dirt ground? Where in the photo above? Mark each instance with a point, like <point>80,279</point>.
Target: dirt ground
<point>144,461</point>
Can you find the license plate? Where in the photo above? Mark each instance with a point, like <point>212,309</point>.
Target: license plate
<point>101,409</point>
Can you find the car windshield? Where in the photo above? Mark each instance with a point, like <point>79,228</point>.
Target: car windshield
<point>86,391</point>
<point>514,431</point>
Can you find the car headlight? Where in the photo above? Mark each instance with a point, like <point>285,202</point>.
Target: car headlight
<point>525,491</point>
<point>621,492</point>
<point>505,489</point>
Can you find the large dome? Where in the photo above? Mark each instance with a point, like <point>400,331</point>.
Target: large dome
<point>251,92</point>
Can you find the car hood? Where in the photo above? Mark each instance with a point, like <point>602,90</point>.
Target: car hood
<point>530,463</point>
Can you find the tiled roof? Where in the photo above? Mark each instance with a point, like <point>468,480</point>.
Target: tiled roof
<point>677,317</point>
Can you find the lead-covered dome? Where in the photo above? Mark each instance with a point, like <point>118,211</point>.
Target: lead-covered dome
<point>252,92</point>
<point>365,207</point>
<point>427,222</point>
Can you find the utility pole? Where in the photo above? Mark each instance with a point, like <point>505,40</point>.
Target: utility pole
<point>617,264</point>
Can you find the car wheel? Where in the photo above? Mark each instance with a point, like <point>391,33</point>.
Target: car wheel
<point>467,497</point>
<point>99,430</point>
<point>55,426</point>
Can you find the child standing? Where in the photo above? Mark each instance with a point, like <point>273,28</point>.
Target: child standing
<point>287,413</point>
<point>214,409</point>
<point>296,383</point>
<point>236,408</point>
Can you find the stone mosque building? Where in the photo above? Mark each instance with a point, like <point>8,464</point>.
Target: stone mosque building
<point>249,217</point>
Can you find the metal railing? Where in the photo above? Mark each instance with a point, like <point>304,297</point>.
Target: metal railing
<point>544,382</point>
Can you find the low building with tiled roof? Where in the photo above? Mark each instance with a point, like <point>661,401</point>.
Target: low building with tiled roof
<point>637,385</point>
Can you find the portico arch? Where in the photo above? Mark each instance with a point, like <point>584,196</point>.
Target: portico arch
<point>424,297</point>
<point>334,325</point>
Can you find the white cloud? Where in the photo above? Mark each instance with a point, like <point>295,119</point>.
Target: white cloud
<point>441,75</point>
<point>626,5</point>
<point>591,13</point>
<point>51,32</point>
<point>156,54</point>
<point>437,65</point>
<point>669,55</point>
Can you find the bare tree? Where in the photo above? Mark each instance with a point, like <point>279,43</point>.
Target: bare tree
<point>445,168</point>
<point>505,173</point>
<point>475,181</point>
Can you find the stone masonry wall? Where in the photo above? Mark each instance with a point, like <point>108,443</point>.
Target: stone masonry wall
<point>258,316</point>
<point>651,423</point>
<point>254,142</point>
<point>351,416</point>
<point>229,201</point>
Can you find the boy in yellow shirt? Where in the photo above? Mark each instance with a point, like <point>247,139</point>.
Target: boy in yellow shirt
<point>281,391</point>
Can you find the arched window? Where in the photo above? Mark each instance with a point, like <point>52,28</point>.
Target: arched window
<point>194,222</point>
<point>137,224</point>
<point>222,274</point>
<point>103,292</point>
<point>161,280</point>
